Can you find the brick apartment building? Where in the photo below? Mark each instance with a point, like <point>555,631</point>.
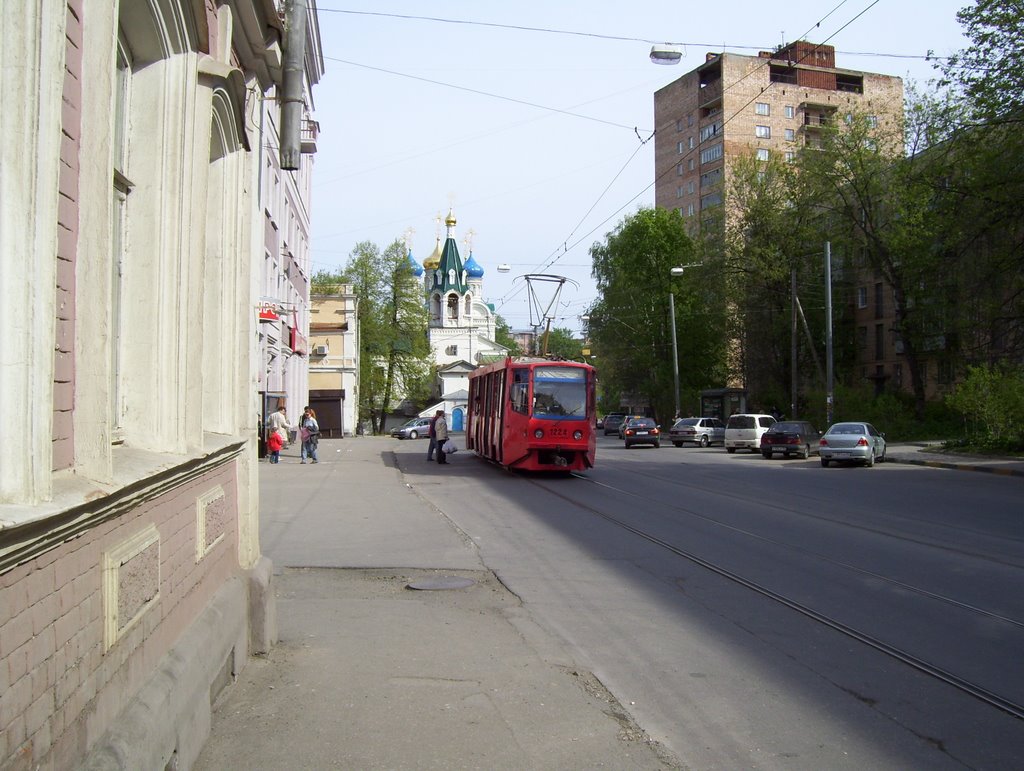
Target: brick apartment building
<point>774,103</point>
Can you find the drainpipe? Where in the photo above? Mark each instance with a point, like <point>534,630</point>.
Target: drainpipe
<point>291,86</point>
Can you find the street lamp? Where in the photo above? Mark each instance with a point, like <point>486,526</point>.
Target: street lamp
<point>678,270</point>
<point>666,54</point>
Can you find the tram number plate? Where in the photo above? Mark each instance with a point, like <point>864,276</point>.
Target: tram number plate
<point>558,432</point>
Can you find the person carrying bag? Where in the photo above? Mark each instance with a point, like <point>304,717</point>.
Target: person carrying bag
<point>441,432</point>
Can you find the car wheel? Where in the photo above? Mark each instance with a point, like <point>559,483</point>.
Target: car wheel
<point>730,450</point>
<point>413,434</point>
<point>678,444</point>
<point>870,460</point>
<point>824,462</point>
<point>704,441</point>
<point>806,452</point>
<point>766,454</point>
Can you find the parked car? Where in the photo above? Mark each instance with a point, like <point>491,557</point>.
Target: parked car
<point>622,425</point>
<point>744,431</point>
<point>790,437</point>
<point>852,441</point>
<point>641,431</point>
<point>702,431</point>
<point>413,429</point>
<point>612,421</point>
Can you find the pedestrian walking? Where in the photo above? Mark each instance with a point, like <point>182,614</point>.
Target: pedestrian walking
<point>309,432</point>
<point>440,436</point>
<point>433,435</point>
<point>274,445</point>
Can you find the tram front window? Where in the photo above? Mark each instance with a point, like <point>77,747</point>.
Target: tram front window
<point>559,392</point>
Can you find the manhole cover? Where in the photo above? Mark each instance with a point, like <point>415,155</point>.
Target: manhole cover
<point>442,582</point>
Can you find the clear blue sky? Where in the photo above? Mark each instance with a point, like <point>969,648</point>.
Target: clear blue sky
<point>533,138</point>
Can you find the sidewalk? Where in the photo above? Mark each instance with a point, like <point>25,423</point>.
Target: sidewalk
<point>370,674</point>
<point>931,454</point>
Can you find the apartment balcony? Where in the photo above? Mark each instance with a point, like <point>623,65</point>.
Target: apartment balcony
<point>310,131</point>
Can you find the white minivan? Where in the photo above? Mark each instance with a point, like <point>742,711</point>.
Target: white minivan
<point>744,430</point>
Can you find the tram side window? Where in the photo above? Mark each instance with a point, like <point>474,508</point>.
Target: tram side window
<point>517,394</point>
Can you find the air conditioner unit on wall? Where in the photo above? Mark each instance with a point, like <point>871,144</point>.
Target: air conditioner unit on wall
<point>319,350</point>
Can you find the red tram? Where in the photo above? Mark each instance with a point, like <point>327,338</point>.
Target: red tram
<point>533,414</point>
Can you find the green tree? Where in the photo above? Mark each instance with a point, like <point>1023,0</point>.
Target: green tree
<point>503,336</point>
<point>769,237</point>
<point>991,70</point>
<point>395,356</point>
<point>629,325</point>
<point>563,345</point>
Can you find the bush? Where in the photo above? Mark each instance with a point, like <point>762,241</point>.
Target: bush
<point>991,401</point>
<point>892,413</point>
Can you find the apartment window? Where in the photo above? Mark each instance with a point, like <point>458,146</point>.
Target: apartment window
<point>680,147</point>
<point>879,341</point>
<point>763,132</point>
<point>710,130</point>
<point>762,108</point>
<point>679,124</point>
<point>122,188</point>
<point>788,111</point>
<point>898,375</point>
<point>872,121</point>
<point>712,153</point>
<point>879,301</point>
<point>690,187</point>
<point>692,143</point>
<point>679,169</point>
<point>712,177</point>
<point>790,156</point>
<point>689,119</point>
<point>862,297</point>
<point>763,153</point>
<point>691,164</point>
<point>862,338</point>
<point>689,210</point>
<point>790,135</point>
<point>714,199</point>
<point>679,192</point>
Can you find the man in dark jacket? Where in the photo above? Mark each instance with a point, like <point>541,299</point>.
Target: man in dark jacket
<point>433,435</point>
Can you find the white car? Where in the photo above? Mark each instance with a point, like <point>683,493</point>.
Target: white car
<point>743,431</point>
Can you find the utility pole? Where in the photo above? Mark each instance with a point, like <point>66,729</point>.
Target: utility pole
<point>675,350</point>
<point>828,334</point>
<point>792,346</point>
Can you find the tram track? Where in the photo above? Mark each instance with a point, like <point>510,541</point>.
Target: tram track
<point>972,689</point>
<point>889,532</point>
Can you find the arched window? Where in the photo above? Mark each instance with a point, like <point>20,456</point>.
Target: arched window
<point>453,306</point>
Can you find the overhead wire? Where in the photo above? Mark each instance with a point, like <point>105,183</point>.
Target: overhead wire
<point>555,256</point>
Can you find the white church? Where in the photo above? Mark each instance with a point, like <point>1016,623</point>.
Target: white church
<point>461,327</point>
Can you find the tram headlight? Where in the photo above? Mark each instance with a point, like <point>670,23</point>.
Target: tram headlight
<point>539,433</point>
<point>577,435</point>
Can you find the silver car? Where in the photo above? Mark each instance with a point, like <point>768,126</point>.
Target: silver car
<point>855,441</point>
<point>414,429</point>
<point>702,431</point>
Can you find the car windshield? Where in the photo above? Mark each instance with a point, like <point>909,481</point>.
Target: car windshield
<point>788,428</point>
<point>641,423</point>
<point>741,421</point>
<point>559,392</point>
<point>687,422</point>
<point>847,428</point>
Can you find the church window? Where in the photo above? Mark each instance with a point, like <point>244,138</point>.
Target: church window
<point>451,275</point>
<point>453,306</point>
<point>469,306</point>
<point>452,350</point>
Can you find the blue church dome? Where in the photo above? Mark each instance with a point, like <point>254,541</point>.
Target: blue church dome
<point>414,266</point>
<point>473,269</point>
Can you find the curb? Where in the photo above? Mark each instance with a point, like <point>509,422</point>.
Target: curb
<point>999,470</point>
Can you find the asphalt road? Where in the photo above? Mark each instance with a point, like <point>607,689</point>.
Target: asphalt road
<point>772,614</point>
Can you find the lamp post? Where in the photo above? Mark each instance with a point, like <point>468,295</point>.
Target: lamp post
<point>678,270</point>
